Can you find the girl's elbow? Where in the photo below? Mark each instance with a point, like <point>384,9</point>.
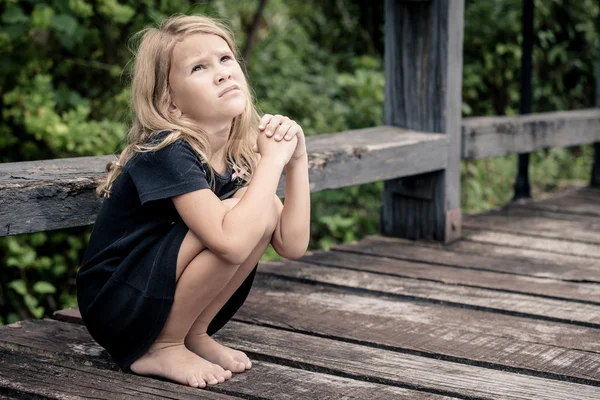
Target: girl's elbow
<point>291,252</point>
<point>235,255</point>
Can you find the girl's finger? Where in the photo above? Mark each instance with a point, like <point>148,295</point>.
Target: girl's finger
<point>293,131</point>
<point>282,130</point>
<point>273,124</point>
<point>264,121</point>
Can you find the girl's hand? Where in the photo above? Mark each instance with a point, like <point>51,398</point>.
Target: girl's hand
<point>281,151</point>
<point>280,127</point>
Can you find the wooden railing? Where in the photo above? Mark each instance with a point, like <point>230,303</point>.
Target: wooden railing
<point>420,165</point>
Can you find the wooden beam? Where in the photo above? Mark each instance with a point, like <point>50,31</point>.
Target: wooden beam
<point>52,194</point>
<point>498,136</point>
<point>423,73</point>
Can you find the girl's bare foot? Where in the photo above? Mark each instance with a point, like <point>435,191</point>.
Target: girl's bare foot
<point>206,347</point>
<point>177,363</point>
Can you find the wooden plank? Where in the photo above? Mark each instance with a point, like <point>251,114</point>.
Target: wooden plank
<point>536,222</point>
<point>373,154</point>
<point>453,334</point>
<point>423,75</point>
<point>466,381</point>
<point>585,292</point>
<point>480,256</point>
<point>557,246</point>
<point>336,357</point>
<point>501,135</point>
<point>52,194</point>
<point>264,381</point>
<point>455,295</point>
<point>28,376</point>
<point>579,201</point>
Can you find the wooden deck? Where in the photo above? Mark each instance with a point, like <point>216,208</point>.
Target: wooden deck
<point>512,311</point>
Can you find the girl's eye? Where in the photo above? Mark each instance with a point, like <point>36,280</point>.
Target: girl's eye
<point>226,58</point>
<point>197,67</point>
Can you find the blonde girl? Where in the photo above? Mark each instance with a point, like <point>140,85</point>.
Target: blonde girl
<point>189,209</point>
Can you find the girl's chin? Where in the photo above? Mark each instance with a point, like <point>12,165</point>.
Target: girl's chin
<point>235,108</point>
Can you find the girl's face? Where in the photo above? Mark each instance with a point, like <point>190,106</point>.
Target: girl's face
<point>206,82</point>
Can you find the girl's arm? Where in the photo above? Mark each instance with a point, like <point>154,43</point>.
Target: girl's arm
<point>292,234</point>
<point>233,234</point>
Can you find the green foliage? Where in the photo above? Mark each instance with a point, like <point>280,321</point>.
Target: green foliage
<point>63,93</point>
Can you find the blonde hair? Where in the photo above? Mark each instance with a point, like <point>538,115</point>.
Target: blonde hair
<point>150,100</point>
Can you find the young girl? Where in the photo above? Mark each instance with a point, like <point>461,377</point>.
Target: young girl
<point>189,209</point>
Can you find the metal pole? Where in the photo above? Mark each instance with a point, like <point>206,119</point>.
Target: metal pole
<point>595,181</point>
<point>522,188</point>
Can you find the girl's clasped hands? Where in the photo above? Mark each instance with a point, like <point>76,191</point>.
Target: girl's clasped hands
<point>281,138</point>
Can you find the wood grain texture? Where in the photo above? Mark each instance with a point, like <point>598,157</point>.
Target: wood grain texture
<point>455,295</point>
<point>481,256</point>
<point>337,357</point>
<point>536,222</point>
<point>423,74</point>
<point>548,245</point>
<point>578,202</point>
<point>29,376</point>
<point>41,352</point>
<point>500,135</point>
<point>453,334</point>
<point>586,292</point>
<point>404,369</point>
<point>52,194</point>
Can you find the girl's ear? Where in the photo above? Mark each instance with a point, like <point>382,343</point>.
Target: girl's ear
<point>173,109</point>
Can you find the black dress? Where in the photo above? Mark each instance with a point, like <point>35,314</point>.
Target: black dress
<point>126,283</point>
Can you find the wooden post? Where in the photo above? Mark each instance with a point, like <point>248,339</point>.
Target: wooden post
<point>423,72</point>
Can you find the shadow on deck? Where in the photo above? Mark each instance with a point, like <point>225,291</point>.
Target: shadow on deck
<point>512,311</point>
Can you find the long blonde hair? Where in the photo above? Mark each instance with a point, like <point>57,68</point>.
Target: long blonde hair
<point>150,100</point>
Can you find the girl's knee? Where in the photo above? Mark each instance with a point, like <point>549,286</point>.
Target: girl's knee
<point>190,248</point>
<point>273,220</point>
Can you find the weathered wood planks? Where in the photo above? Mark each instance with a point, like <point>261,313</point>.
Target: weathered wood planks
<point>450,333</point>
<point>541,223</point>
<point>514,283</point>
<point>28,376</point>
<point>481,256</point>
<point>580,201</point>
<point>341,358</point>
<point>547,245</point>
<point>42,352</point>
<point>492,300</point>
<point>501,135</point>
<point>52,194</point>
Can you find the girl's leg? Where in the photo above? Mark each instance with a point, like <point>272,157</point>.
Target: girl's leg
<point>197,338</point>
<point>200,278</point>
<point>205,346</point>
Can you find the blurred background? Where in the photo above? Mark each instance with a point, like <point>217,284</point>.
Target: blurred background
<point>64,93</point>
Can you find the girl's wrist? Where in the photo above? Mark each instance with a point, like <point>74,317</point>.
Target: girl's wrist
<point>300,161</point>
<point>274,161</point>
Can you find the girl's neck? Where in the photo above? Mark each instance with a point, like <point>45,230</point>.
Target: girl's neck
<point>218,144</point>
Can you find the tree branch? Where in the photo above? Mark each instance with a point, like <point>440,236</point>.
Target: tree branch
<point>253,29</point>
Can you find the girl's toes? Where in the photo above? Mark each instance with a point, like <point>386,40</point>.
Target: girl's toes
<point>193,381</point>
<point>248,364</point>
<point>236,366</point>
<point>210,379</point>
<point>227,374</point>
<point>201,382</point>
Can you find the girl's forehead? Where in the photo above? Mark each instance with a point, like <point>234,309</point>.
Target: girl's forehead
<point>198,45</point>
